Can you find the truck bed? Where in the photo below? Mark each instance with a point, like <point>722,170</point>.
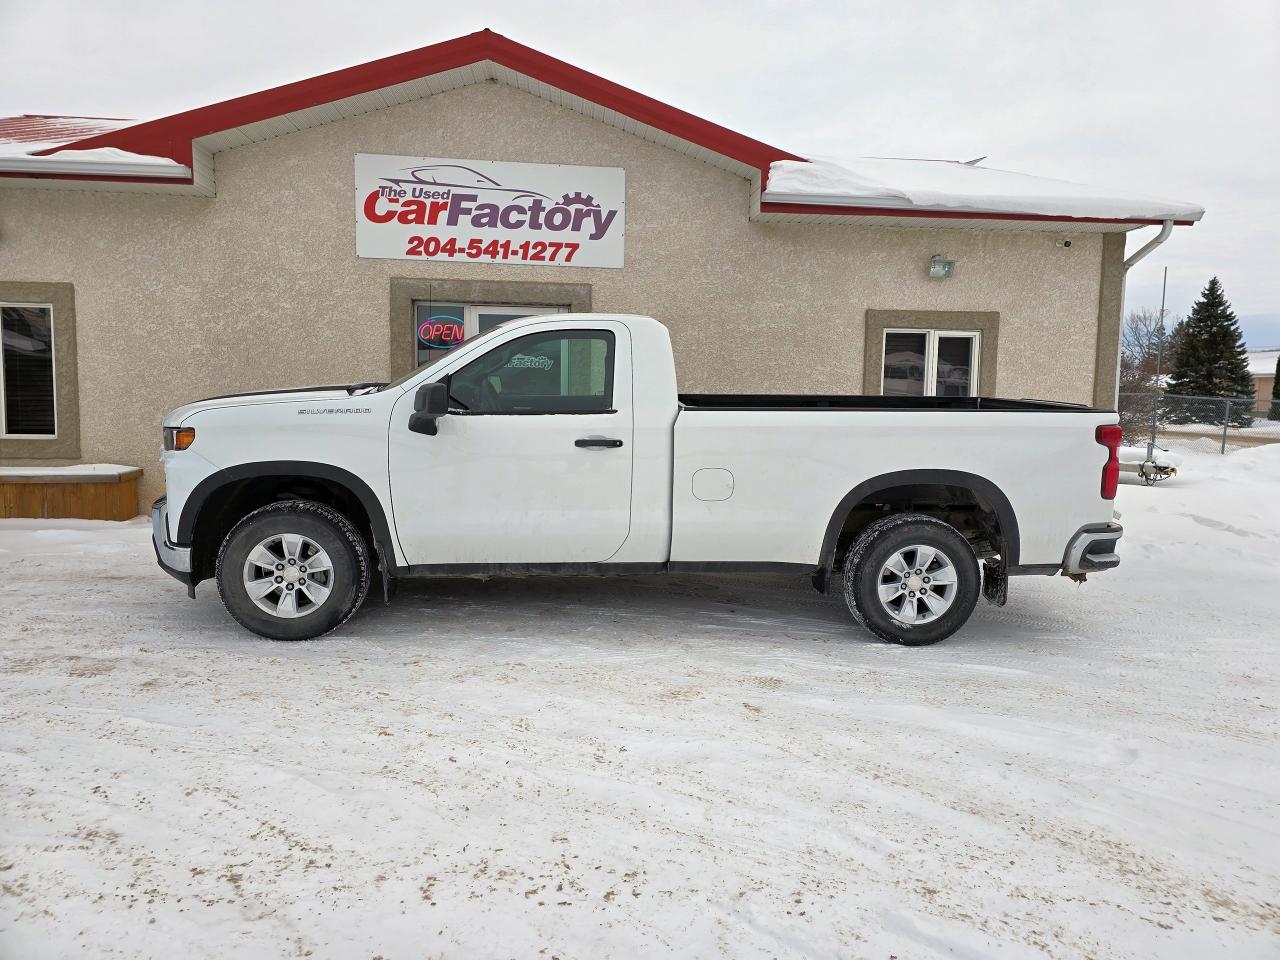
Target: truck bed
<point>756,475</point>
<point>797,401</point>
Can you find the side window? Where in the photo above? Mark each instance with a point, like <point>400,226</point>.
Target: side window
<point>905,353</point>
<point>26,371</point>
<point>930,363</point>
<point>564,371</point>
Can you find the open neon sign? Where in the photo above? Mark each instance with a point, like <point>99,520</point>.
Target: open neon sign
<point>440,333</point>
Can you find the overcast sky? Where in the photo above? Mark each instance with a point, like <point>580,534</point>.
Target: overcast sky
<point>1171,99</point>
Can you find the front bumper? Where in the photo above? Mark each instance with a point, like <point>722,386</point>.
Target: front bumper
<point>1093,548</point>
<point>173,560</point>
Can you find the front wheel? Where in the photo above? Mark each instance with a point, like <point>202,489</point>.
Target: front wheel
<point>293,570</point>
<point>911,579</point>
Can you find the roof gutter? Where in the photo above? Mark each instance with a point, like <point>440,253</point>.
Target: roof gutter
<point>829,205</point>
<point>94,168</point>
<point>1146,248</point>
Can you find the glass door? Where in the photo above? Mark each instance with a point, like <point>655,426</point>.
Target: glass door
<point>441,326</point>
<point>481,318</point>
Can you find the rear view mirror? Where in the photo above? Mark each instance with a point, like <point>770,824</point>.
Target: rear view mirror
<point>430,403</point>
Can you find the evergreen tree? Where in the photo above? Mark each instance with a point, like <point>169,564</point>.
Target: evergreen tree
<point>1173,344</point>
<point>1275,394</point>
<point>1211,360</point>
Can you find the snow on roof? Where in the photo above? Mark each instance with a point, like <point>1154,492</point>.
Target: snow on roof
<point>933,189</point>
<point>22,137</point>
<point>951,185</point>
<point>106,155</point>
<point>1262,363</point>
<point>30,132</point>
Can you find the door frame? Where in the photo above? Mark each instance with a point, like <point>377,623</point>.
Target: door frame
<point>470,311</point>
<point>402,353</point>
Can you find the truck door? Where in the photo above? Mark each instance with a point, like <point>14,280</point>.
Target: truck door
<point>533,462</point>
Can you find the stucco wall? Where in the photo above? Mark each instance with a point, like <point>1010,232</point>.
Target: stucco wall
<point>178,298</point>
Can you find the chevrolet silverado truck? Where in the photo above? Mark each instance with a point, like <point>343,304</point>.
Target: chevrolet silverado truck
<point>559,445</point>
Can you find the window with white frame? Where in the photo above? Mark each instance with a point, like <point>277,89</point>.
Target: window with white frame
<point>27,404</point>
<point>930,363</point>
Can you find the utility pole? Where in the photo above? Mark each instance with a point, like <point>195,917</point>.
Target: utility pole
<point>1156,394</point>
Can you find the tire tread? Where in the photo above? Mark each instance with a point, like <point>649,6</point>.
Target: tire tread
<point>890,527</point>
<point>342,526</point>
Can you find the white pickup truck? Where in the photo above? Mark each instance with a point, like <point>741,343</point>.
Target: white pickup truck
<point>558,445</point>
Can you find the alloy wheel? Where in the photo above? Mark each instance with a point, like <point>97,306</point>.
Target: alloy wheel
<point>288,575</point>
<point>917,584</point>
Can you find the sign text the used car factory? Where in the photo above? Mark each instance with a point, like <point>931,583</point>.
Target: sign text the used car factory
<point>488,211</point>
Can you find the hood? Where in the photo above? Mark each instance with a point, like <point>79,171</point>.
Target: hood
<point>175,417</point>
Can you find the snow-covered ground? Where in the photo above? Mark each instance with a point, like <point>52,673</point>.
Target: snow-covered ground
<point>651,768</point>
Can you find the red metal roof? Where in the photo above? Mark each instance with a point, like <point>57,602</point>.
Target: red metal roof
<point>32,128</point>
<point>172,136</point>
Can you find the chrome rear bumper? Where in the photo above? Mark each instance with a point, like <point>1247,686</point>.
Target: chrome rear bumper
<point>1093,548</point>
<point>174,560</point>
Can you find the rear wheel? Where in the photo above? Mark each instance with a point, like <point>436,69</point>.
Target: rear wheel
<point>911,579</point>
<point>293,570</point>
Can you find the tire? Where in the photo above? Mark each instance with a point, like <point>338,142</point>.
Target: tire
<point>295,603</point>
<point>915,613</point>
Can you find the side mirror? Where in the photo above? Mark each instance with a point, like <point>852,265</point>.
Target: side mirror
<point>430,403</point>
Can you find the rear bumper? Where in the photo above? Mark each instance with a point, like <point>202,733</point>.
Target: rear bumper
<point>1092,549</point>
<point>173,560</point>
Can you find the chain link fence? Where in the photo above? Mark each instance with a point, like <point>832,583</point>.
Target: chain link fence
<point>1198,424</point>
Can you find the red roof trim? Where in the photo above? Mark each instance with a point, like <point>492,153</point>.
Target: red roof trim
<point>96,177</point>
<point>171,136</point>
<point>769,206</point>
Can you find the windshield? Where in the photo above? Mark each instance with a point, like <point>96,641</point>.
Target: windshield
<point>445,353</point>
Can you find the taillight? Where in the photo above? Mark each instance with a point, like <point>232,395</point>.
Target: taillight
<point>1110,435</point>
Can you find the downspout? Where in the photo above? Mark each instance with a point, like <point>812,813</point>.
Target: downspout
<point>1166,228</point>
<point>1151,244</point>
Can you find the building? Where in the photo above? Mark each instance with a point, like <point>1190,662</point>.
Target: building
<point>343,228</point>
<point>1262,367</point>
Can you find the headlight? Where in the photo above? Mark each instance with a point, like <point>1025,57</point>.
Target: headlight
<point>179,438</point>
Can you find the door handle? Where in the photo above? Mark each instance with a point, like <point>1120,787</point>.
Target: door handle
<point>597,442</point>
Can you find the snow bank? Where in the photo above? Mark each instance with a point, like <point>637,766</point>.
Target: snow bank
<point>1137,455</point>
<point>1255,467</point>
<point>695,767</point>
<point>946,184</point>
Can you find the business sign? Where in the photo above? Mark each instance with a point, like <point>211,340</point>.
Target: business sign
<point>487,211</point>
